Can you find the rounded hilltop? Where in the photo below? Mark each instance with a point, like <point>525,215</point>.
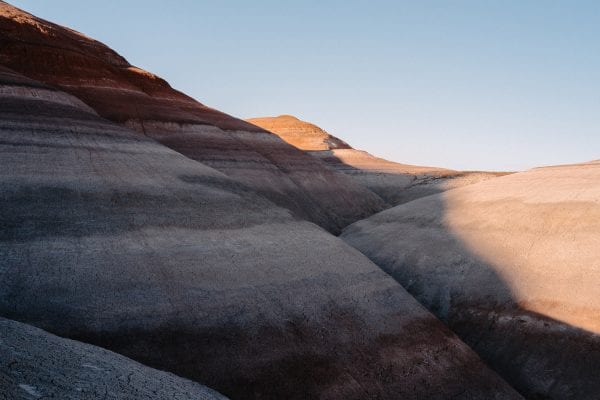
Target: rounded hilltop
<point>302,134</point>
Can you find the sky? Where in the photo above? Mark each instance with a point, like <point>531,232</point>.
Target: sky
<point>478,85</point>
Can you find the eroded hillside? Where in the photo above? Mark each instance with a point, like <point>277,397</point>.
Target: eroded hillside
<point>512,265</point>
<point>394,182</point>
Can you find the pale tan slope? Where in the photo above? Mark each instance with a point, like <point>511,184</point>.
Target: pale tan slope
<point>396,183</point>
<point>513,265</point>
<point>110,238</point>
<point>38,365</point>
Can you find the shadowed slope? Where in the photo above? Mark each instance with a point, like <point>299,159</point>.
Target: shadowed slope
<point>513,266</point>
<point>111,238</point>
<point>140,100</point>
<point>399,183</point>
<point>394,182</point>
<point>35,364</point>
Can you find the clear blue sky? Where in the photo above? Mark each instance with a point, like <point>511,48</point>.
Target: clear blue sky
<point>462,84</point>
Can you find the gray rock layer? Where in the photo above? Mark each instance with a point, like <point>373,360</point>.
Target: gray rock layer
<point>37,365</point>
<point>114,239</point>
<point>513,266</point>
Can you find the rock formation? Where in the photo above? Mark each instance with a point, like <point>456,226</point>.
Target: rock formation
<point>37,365</point>
<point>140,100</point>
<point>301,134</point>
<point>394,182</point>
<point>110,238</point>
<point>512,265</point>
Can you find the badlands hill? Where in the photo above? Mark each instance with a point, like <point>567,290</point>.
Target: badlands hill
<point>113,239</point>
<point>512,265</point>
<point>394,182</point>
<point>37,365</point>
<point>130,96</point>
<point>301,134</point>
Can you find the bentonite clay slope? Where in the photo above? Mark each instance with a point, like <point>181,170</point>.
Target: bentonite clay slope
<point>301,134</point>
<point>111,238</point>
<point>513,265</point>
<point>140,100</point>
<point>37,365</point>
<point>394,182</point>
<point>399,183</point>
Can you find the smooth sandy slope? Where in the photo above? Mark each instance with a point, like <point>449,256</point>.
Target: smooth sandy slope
<point>513,266</point>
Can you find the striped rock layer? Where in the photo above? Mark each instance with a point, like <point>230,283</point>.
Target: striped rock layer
<point>110,238</point>
<point>300,134</point>
<point>130,96</point>
<point>395,183</point>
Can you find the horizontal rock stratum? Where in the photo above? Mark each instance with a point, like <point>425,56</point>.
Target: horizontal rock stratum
<point>37,365</point>
<point>128,95</point>
<point>301,134</point>
<point>513,266</point>
<point>116,240</point>
<point>395,183</point>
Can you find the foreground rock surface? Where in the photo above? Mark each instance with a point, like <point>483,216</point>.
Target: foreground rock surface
<point>395,183</point>
<point>140,100</point>
<point>113,239</point>
<point>37,365</point>
<point>513,266</point>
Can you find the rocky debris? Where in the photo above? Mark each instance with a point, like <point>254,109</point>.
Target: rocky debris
<point>512,265</point>
<point>113,239</point>
<point>395,183</point>
<point>37,365</point>
<point>120,92</point>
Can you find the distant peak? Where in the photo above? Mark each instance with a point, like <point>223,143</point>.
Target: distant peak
<point>302,134</point>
